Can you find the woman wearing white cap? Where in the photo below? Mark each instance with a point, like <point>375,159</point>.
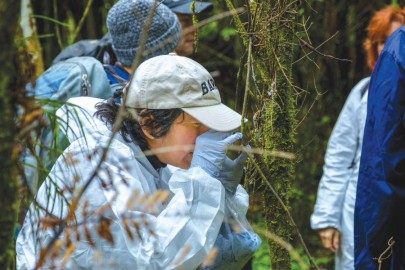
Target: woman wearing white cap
<point>178,118</point>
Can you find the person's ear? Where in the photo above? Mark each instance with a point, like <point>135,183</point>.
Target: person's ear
<point>146,131</point>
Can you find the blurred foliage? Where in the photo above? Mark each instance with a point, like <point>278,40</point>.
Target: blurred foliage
<point>56,21</point>
<point>261,259</point>
<point>327,82</point>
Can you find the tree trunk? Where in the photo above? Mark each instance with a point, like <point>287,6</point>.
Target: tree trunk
<point>9,85</point>
<point>270,31</point>
<point>279,122</point>
<point>30,35</point>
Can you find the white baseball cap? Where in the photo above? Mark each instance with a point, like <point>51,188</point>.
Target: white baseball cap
<point>172,81</point>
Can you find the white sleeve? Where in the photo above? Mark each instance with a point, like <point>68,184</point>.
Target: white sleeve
<point>340,154</point>
<point>179,234</point>
<point>191,220</point>
<point>184,232</point>
<point>236,207</point>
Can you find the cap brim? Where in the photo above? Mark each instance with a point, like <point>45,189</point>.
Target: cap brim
<point>217,117</point>
<point>186,8</point>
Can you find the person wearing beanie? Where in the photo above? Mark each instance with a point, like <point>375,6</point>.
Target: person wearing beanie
<point>126,22</point>
<point>184,10</point>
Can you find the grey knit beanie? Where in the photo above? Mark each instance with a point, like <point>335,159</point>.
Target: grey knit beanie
<point>125,22</point>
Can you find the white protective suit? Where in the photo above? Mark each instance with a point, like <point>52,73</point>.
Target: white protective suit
<point>185,228</point>
<point>337,189</point>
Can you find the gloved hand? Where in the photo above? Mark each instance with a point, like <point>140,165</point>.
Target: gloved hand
<point>210,154</point>
<point>234,249</point>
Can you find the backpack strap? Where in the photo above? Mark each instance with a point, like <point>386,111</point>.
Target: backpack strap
<point>365,88</point>
<point>116,74</point>
<point>86,85</point>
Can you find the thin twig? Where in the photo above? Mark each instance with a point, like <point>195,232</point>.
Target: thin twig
<point>282,69</point>
<point>315,49</point>
<point>57,30</point>
<point>82,19</point>
<point>247,85</point>
<point>310,108</point>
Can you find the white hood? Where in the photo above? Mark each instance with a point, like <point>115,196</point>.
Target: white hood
<point>77,119</point>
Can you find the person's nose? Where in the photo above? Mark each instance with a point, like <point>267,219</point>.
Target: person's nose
<point>190,29</point>
<point>202,129</point>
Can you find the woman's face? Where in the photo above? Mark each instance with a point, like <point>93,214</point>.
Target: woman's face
<point>180,139</point>
<point>394,26</point>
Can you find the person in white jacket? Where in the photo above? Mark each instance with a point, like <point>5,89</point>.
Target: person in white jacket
<point>123,208</point>
<point>333,214</point>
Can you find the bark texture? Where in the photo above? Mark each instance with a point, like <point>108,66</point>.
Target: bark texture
<point>268,33</point>
<point>9,85</point>
<point>275,60</point>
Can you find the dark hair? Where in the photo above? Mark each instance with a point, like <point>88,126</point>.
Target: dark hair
<point>157,122</point>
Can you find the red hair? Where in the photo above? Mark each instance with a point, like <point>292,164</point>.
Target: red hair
<point>377,30</point>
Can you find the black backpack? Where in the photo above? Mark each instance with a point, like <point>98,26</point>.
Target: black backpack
<point>101,49</point>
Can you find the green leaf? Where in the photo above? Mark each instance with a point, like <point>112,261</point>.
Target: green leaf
<point>227,33</point>
<point>51,20</point>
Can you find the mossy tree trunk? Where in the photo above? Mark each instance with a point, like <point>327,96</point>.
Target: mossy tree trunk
<point>271,32</point>
<point>279,113</point>
<point>9,84</point>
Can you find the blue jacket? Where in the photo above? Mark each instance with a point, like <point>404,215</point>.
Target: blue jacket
<point>380,201</point>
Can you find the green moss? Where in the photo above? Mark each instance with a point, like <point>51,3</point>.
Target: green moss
<point>272,54</point>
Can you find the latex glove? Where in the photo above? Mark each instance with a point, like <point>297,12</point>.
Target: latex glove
<point>210,154</point>
<point>234,249</point>
<point>232,171</point>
